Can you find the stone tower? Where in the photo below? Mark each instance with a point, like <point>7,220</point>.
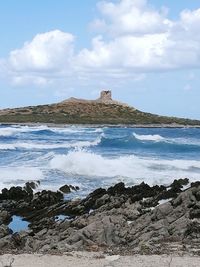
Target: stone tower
<point>106,96</point>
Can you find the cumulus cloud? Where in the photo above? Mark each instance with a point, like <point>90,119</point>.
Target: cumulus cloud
<point>143,39</point>
<point>134,39</point>
<point>126,52</point>
<point>47,51</point>
<point>46,57</point>
<point>131,17</point>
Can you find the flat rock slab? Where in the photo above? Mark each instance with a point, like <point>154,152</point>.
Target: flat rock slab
<point>96,260</point>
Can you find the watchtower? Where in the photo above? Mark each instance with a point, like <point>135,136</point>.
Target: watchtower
<point>106,95</point>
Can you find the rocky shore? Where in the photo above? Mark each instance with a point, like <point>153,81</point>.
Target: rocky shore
<point>118,220</point>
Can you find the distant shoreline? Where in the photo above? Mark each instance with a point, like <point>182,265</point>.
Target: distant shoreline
<point>103,111</point>
<point>61,125</point>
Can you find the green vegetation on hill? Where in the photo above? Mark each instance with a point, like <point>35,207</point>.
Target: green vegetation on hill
<point>87,113</point>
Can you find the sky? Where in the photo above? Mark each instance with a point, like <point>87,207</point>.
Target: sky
<point>146,51</point>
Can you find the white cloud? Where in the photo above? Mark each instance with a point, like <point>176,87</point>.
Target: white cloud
<point>45,58</point>
<point>132,17</point>
<point>48,51</point>
<point>135,39</point>
<point>126,52</point>
<point>190,20</point>
<point>142,39</point>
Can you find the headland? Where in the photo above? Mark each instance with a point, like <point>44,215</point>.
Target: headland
<point>102,111</point>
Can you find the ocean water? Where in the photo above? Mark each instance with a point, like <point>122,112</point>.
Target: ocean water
<point>93,157</point>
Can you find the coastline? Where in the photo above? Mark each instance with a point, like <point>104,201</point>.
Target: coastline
<point>124,221</point>
<point>101,125</point>
<point>119,221</point>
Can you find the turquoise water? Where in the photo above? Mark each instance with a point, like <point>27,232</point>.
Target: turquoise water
<point>92,157</point>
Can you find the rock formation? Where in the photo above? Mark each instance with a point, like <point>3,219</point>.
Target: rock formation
<point>121,220</point>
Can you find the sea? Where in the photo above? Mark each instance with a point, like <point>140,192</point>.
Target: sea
<point>92,157</point>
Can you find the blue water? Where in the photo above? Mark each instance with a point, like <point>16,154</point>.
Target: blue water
<point>93,157</point>
<point>17,224</point>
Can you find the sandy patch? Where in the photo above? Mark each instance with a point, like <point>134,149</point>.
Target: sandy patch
<point>96,260</point>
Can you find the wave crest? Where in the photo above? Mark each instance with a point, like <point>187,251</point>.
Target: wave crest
<point>135,168</point>
<point>43,129</point>
<point>32,145</point>
<point>149,137</point>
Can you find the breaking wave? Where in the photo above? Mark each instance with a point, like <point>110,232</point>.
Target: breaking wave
<point>96,157</point>
<point>149,142</point>
<point>35,146</point>
<point>132,141</point>
<point>134,168</point>
<point>43,129</point>
<point>9,131</point>
<point>10,176</point>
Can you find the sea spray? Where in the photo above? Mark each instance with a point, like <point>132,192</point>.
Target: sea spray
<point>96,156</point>
<point>132,167</point>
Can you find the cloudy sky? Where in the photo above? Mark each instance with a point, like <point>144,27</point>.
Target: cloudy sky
<point>146,51</point>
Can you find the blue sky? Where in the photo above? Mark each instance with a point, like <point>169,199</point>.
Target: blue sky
<point>146,52</point>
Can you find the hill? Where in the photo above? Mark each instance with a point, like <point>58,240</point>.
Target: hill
<point>104,110</point>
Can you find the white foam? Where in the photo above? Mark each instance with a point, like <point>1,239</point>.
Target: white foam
<point>149,137</point>
<point>6,132</point>
<point>130,168</point>
<point>19,145</point>
<point>32,145</point>
<point>184,141</point>
<point>16,129</point>
<point>10,176</point>
<point>67,130</point>
<point>20,173</point>
<point>74,130</point>
<point>81,144</point>
<point>98,130</point>
<point>9,131</point>
<point>159,138</point>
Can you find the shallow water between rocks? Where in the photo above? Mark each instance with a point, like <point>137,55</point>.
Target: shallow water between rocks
<point>18,224</point>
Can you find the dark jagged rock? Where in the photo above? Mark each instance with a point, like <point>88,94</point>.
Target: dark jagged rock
<point>174,189</point>
<point>19,193</point>
<point>117,189</point>
<point>137,192</point>
<point>30,186</point>
<point>14,193</point>
<point>120,219</point>
<point>66,189</point>
<point>195,184</point>
<point>177,185</point>
<point>193,230</point>
<point>46,198</point>
<point>89,202</point>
